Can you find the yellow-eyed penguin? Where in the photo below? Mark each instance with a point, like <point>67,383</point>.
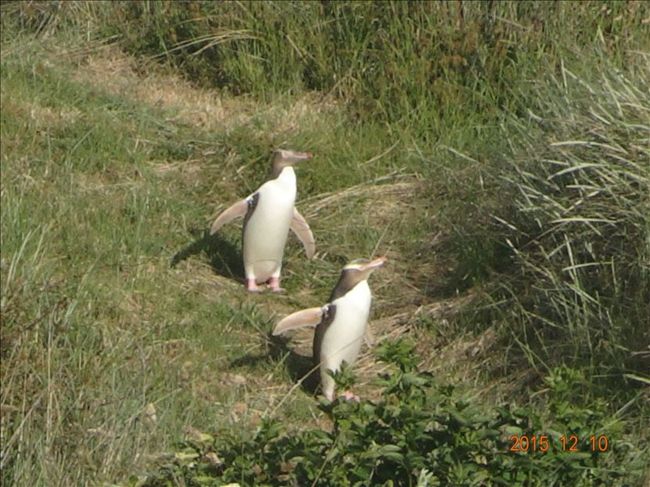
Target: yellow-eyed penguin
<point>268,214</point>
<point>341,324</point>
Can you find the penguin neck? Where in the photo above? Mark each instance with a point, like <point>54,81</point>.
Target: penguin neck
<point>277,169</point>
<point>286,175</point>
<point>346,284</point>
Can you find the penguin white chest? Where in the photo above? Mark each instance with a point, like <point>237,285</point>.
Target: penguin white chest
<point>343,338</point>
<point>266,231</point>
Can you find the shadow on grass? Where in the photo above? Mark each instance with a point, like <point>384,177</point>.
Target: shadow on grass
<point>299,366</point>
<point>225,258</point>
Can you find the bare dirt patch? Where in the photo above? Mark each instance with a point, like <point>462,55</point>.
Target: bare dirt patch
<point>118,73</point>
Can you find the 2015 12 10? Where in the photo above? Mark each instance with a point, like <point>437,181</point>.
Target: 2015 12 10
<point>567,443</point>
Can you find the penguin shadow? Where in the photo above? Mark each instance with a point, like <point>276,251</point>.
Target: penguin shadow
<point>300,367</point>
<point>225,258</point>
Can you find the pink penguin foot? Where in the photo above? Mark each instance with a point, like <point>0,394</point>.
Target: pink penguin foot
<point>274,283</point>
<point>350,396</point>
<point>251,286</point>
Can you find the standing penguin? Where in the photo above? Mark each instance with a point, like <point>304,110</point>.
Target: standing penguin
<point>341,324</point>
<point>268,214</point>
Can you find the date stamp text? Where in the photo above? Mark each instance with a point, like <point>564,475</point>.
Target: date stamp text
<point>566,443</point>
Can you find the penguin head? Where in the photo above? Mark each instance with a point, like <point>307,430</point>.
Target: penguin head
<point>362,268</point>
<point>355,272</point>
<point>283,158</point>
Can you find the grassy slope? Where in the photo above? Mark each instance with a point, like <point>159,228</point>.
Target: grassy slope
<point>111,168</point>
<point>107,176</point>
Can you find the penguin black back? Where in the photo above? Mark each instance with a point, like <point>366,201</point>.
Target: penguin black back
<point>329,313</point>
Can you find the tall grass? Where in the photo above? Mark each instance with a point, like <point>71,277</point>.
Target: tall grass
<point>577,219</point>
<point>424,65</point>
<point>555,216</point>
<point>392,58</point>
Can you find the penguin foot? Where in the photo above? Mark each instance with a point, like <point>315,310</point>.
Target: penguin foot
<point>251,286</point>
<point>350,396</point>
<point>274,284</point>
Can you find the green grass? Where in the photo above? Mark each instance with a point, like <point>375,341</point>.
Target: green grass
<point>443,150</point>
<point>96,325</point>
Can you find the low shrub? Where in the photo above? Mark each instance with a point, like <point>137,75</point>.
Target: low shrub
<point>422,433</point>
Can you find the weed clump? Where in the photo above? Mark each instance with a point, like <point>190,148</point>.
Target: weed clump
<point>420,433</point>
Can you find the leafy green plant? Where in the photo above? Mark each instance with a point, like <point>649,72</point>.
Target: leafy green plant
<point>420,433</point>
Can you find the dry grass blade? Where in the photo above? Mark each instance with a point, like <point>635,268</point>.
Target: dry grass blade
<point>316,204</point>
<point>210,40</point>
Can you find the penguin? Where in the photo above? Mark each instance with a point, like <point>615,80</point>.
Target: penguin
<point>341,324</point>
<point>268,214</point>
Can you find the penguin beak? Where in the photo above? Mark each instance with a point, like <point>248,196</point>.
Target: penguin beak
<point>301,156</point>
<point>375,264</point>
<point>293,157</point>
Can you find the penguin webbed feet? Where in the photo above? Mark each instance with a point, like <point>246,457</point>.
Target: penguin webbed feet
<point>347,395</point>
<point>350,397</point>
<point>274,284</point>
<point>252,287</point>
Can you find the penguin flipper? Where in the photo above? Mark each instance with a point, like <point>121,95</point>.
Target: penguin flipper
<point>300,227</point>
<point>299,319</point>
<point>237,210</point>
